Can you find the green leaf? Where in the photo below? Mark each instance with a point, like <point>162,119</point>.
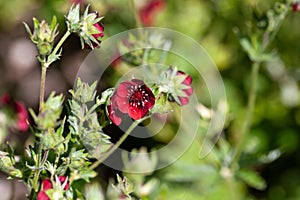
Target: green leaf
<point>36,23</point>
<point>186,172</point>
<point>50,112</point>
<point>252,178</point>
<point>27,29</point>
<point>53,23</point>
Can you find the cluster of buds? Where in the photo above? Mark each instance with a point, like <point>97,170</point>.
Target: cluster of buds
<point>87,26</point>
<point>43,35</point>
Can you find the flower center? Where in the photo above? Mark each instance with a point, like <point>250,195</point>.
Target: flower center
<point>138,96</point>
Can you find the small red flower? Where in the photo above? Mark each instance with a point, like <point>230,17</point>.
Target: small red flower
<point>47,184</point>
<point>148,11</point>
<point>131,97</point>
<point>178,86</point>
<point>5,99</point>
<point>296,7</point>
<point>99,26</point>
<point>20,114</point>
<point>188,91</point>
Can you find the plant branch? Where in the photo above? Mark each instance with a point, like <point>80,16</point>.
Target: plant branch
<point>45,63</point>
<point>136,16</point>
<point>60,43</point>
<point>249,113</point>
<point>43,83</point>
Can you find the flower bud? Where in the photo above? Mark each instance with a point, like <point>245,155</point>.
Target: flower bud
<point>43,35</point>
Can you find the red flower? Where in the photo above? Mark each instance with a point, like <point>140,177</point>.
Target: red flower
<point>5,99</point>
<point>47,184</point>
<point>178,86</point>
<point>20,116</point>
<point>147,12</point>
<point>99,35</point>
<point>296,7</point>
<point>131,97</point>
<point>188,90</point>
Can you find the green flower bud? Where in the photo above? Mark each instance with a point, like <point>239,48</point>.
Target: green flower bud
<point>43,35</point>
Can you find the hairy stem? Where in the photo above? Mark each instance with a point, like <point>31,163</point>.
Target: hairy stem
<point>115,146</point>
<point>44,65</point>
<point>60,43</point>
<point>250,108</point>
<point>43,83</point>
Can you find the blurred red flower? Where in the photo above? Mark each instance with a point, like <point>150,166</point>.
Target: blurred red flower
<point>148,11</point>
<point>296,7</point>
<point>19,110</point>
<point>133,98</point>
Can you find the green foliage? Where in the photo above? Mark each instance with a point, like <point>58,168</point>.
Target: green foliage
<point>252,178</point>
<point>84,122</point>
<point>221,174</point>
<point>49,113</point>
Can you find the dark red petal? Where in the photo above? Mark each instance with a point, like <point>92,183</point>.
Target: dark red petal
<point>122,104</point>
<point>5,99</point>
<point>62,179</point>
<point>137,82</point>
<point>22,124</point>
<point>42,195</point>
<point>188,91</point>
<point>184,100</point>
<point>113,116</point>
<point>137,112</point>
<point>47,184</point>
<point>100,28</point>
<point>188,80</point>
<point>295,6</point>
<point>148,11</point>
<point>20,107</point>
<point>124,89</point>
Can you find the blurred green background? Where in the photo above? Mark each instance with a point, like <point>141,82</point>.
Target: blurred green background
<point>274,135</point>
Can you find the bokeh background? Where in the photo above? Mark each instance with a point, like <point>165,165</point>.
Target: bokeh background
<point>274,135</point>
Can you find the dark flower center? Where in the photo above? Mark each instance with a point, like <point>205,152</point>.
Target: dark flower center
<point>138,96</point>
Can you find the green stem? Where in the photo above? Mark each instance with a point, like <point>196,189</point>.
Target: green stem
<point>114,147</point>
<point>43,83</point>
<point>250,108</point>
<point>136,16</point>
<point>45,64</point>
<point>60,43</point>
